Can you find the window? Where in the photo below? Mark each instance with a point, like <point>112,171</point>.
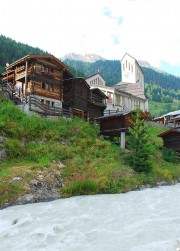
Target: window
<point>51,87</point>
<point>126,63</point>
<point>123,68</point>
<point>47,102</point>
<point>44,86</point>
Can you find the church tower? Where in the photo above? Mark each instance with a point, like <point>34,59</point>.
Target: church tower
<point>131,71</point>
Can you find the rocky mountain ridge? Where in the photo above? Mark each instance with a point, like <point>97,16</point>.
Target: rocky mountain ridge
<point>91,58</point>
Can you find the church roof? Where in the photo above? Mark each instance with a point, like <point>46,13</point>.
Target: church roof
<point>129,88</point>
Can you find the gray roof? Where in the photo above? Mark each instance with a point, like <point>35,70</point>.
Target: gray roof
<point>133,89</point>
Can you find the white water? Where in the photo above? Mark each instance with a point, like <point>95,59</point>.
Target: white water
<point>147,220</point>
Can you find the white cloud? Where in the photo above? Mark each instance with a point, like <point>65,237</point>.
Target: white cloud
<point>147,29</point>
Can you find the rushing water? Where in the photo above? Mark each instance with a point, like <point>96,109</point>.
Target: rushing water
<point>147,220</point>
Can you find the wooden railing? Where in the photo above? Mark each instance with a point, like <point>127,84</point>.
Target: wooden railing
<point>47,110</point>
<point>109,112</point>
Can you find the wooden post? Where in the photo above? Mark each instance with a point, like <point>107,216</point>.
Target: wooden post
<point>122,140</point>
<point>26,71</point>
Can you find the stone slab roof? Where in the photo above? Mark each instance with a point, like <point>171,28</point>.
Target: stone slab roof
<point>133,89</point>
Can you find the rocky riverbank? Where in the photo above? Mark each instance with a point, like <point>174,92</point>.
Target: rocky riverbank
<point>43,185</point>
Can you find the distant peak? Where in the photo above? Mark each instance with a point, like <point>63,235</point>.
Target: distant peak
<point>91,58</point>
<point>144,63</point>
<point>147,65</point>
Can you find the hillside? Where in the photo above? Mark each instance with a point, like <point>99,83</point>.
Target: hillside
<point>10,51</point>
<point>48,159</point>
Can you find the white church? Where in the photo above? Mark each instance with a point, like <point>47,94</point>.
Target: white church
<point>128,94</point>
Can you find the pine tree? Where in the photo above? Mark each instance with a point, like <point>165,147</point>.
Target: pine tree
<point>138,158</point>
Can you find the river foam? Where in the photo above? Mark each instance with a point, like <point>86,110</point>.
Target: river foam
<point>147,220</point>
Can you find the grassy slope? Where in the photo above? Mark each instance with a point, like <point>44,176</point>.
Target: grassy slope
<point>92,165</point>
<point>157,109</point>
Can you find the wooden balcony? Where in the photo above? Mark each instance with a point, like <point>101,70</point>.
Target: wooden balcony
<point>97,101</point>
<point>46,93</point>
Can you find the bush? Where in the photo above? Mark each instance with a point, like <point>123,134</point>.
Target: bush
<point>14,149</point>
<point>80,187</point>
<point>169,155</point>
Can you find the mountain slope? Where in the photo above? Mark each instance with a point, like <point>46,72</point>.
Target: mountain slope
<point>10,51</point>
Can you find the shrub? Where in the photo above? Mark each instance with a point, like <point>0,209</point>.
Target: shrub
<point>169,155</point>
<point>80,187</point>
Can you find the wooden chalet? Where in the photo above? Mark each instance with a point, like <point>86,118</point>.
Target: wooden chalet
<point>81,100</point>
<point>36,79</point>
<point>75,97</point>
<point>117,124</point>
<point>171,139</point>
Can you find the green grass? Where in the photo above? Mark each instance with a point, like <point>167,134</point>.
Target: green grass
<point>157,109</point>
<point>92,164</point>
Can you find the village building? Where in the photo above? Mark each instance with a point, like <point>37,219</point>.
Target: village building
<point>43,84</point>
<point>126,95</point>
<point>82,101</point>
<point>171,139</point>
<point>117,125</point>
<point>172,119</point>
<point>36,77</point>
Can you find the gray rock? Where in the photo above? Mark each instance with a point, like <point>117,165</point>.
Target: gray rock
<point>2,139</point>
<point>28,198</point>
<point>3,154</point>
<point>15,179</point>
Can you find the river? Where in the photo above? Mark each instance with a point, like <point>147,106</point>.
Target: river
<point>146,220</point>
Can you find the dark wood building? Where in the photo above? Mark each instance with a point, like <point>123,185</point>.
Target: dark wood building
<point>171,139</point>
<point>113,124</point>
<point>36,77</point>
<point>75,97</point>
<point>82,101</point>
<point>117,124</point>
<point>97,103</point>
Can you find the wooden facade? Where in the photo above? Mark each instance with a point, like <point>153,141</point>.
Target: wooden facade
<point>113,125</point>
<point>45,85</point>
<point>81,100</point>
<point>38,75</point>
<point>97,103</point>
<point>171,139</point>
<point>116,125</point>
<point>75,96</point>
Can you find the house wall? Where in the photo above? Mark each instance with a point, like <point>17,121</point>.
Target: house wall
<point>172,140</point>
<point>96,80</point>
<point>75,94</point>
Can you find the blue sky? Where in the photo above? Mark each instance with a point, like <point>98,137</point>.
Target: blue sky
<point>146,29</point>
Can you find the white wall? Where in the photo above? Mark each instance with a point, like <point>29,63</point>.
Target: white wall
<point>96,80</point>
<point>131,71</point>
